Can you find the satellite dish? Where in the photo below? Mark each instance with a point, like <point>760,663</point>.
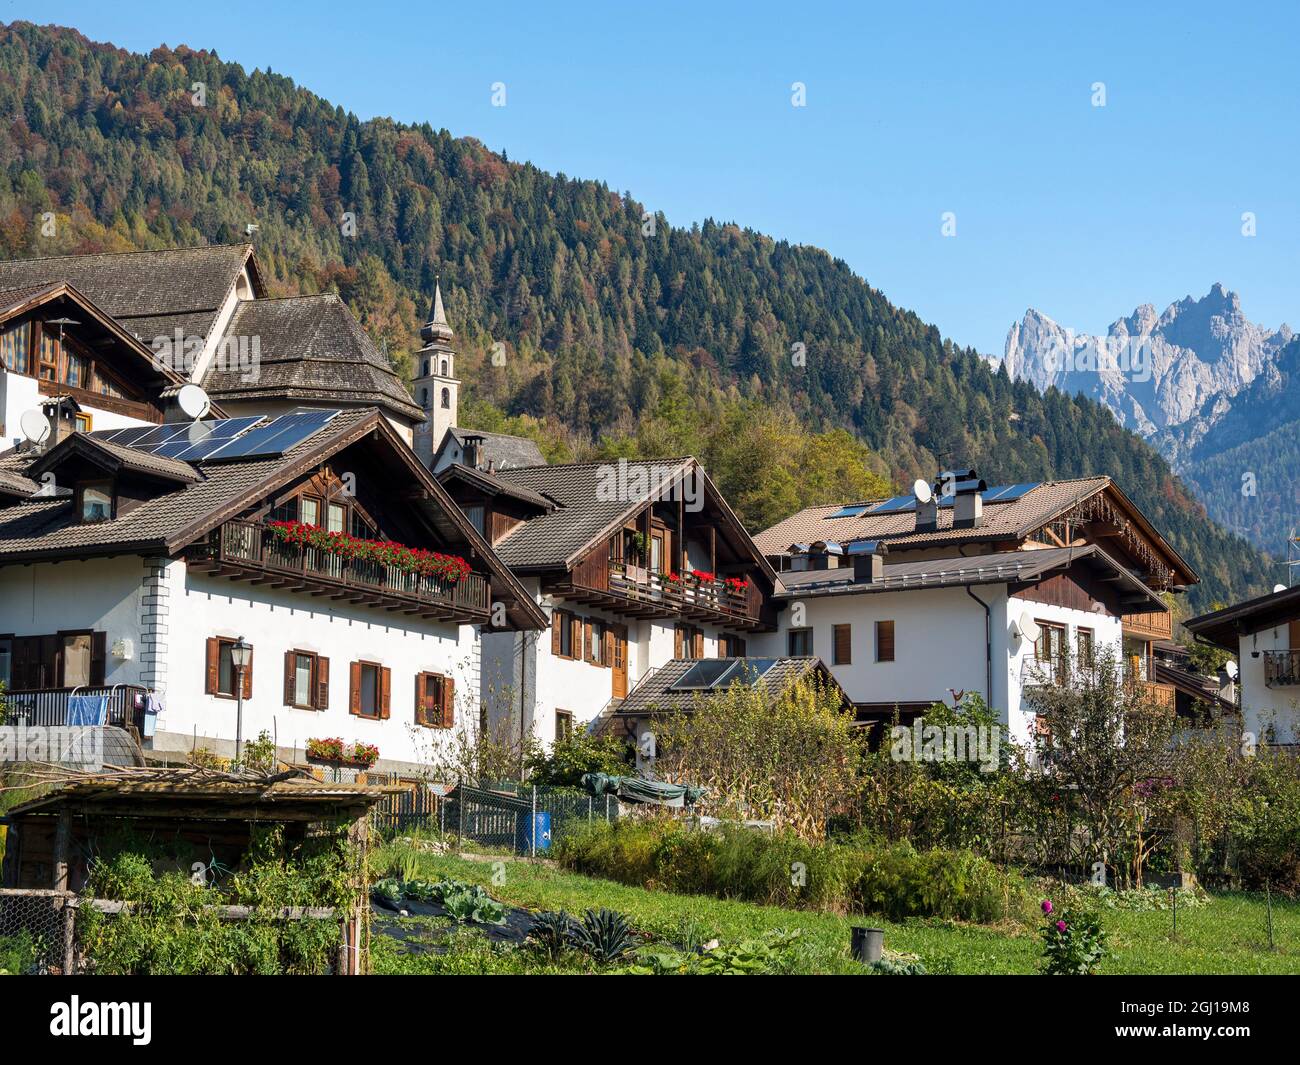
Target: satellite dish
<point>1230,668</point>
<point>1279,588</point>
<point>35,426</point>
<point>193,401</point>
<point>921,489</point>
<point>1027,628</point>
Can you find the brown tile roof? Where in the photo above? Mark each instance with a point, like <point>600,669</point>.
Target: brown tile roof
<point>1002,521</point>
<point>13,483</point>
<point>552,540</point>
<point>1224,627</point>
<point>490,484</point>
<point>141,284</point>
<point>312,348</point>
<point>1001,567</point>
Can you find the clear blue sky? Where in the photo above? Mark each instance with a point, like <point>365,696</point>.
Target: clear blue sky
<point>912,111</point>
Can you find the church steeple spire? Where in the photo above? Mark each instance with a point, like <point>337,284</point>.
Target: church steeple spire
<point>437,389</point>
<point>436,328</point>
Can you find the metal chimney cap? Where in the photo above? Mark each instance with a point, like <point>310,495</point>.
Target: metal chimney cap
<point>868,547</point>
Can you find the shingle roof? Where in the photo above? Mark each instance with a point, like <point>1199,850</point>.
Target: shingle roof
<point>311,348</point>
<point>116,456</point>
<point>655,691</point>
<point>551,540</point>
<point>502,450</point>
<point>1224,627</point>
<point>1001,520</point>
<point>493,485</point>
<point>140,284</point>
<point>13,483</point>
<point>48,525</point>
<point>14,297</point>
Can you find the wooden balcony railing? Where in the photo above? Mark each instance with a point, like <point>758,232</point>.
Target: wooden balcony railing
<point>1042,672</point>
<point>252,545</point>
<point>1281,669</point>
<point>1156,626</point>
<point>686,595</point>
<point>48,707</point>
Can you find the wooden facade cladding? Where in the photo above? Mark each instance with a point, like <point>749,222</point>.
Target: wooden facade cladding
<point>1157,626</point>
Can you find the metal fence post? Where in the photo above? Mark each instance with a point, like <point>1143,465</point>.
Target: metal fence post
<point>532,830</point>
<point>460,809</point>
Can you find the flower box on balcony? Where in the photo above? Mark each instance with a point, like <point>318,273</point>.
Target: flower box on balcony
<point>334,751</point>
<point>382,553</point>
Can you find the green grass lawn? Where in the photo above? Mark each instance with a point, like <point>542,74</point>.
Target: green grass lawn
<point>1229,934</point>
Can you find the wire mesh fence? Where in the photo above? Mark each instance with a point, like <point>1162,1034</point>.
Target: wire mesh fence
<point>32,931</point>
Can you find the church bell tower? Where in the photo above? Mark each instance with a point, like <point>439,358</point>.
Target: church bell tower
<point>436,387</point>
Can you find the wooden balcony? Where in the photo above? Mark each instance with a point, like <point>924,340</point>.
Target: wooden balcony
<point>1281,669</point>
<point>1035,672</point>
<point>1157,626</point>
<point>249,551</point>
<point>636,592</point>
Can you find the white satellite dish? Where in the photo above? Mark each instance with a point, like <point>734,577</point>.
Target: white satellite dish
<point>921,489</point>
<point>35,426</point>
<point>1027,628</point>
<point>1230,668</point>
<point>193,401</point>
<point>1279,588</point>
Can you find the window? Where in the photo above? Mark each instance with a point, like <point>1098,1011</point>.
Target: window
<point>16,346</point>
<point>76,369</point>
<point>369,690</point>
<point>362,529</point>
<point>54,660</point>
<point>731,646</point>
<point>95,501</point>
<point>566,634</point>
<point>1084,646</point>
<point>220,673</point>
<point>884,641</point>
<point>799,643</point>
<point>435,700</point>
<point>841,645</point>
<point>306,680</point>
<point>595,636</point>
<point>76,659</point>
<point>563,725</point>
<point>446,399</point>
<point>475,515</point>
<point>445,372</point>
<point>338,517</point>
<point>688,642</point>
<point>310,511</point>
<point>7,661</point>
<point>1051,642</point>
<point>83,423</point>
<point>48,361</point>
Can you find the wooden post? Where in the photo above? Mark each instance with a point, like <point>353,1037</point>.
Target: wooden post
<point>62,845</point>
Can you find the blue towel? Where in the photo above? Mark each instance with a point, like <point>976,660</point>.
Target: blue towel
<point>87,709</point>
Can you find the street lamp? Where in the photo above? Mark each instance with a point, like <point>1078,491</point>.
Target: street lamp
<point>241,656</point>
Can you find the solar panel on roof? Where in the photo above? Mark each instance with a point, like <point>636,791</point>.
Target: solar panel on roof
<point>274,438</point>
<point>751,670</point>
<point>203,438</point>
<point>897,505</point>
<point>849,512</point>
<point>158,436</point>
<point>126,436</point>
<point>703,675</point>
<point>1006,493</point>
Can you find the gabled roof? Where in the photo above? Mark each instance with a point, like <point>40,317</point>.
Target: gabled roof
<point>589,512</point>
<point>494,486</point>
<point>1194,685</point>
<point>113,458</point>
<point>655,692</point>
<point>311,348</point>
<point>1001,521</point>
<point>499,449</point>
<point>147,284</point>
<point>45,528</point>
<point>1224,627</point>
<point>1001,567</point>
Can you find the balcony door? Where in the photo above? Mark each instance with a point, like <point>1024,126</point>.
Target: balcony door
<point>619,665</point>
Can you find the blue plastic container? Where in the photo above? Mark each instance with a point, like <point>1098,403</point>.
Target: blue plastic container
<point>533,831</point>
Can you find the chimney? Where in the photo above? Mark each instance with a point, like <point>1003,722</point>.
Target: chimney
<point>472,451</point>
<point>968,502</point>
<point>927,514</point>
<point>822,554</point>
<point>868,561</point>
<point>61,412</point>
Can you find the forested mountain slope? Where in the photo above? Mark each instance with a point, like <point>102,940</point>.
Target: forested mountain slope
<point>619,335</point>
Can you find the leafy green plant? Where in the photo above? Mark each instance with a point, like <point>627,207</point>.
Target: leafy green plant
<point>890,967</point>
<point>1074,942</point>
<point>260,753</point>
<point>604,935</point>
<point>550,932</point>
<point>18,953</point>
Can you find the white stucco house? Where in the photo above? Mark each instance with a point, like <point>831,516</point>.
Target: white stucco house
<point>1264,634</point>
<point>137,548</point>
<point>912,602</point>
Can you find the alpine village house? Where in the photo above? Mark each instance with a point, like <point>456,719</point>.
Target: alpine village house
<point>391,578</point>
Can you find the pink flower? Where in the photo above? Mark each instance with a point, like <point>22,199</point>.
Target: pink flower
<point>1047,906</point>
<point>1060,926</point>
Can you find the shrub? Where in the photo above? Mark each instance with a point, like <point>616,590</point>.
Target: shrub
<point>575,755</point>
<point>1074,943</point>
<point>781,869</point>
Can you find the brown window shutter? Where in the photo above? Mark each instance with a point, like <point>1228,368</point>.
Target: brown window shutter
<point>212,671</point>
<point>289,685</point>
<point>557,621</point>
<point>385,683</point>
<point>588,646</point>
<point>354,688</point>
<point>737,647</point>
<point>698,643</point>
<point>448,701</point>
<point>575,636</point>
<point>419,699</point>
<point>841,645</point>
<point>884,641</point>
<point>248,677</point>
<point>607,655</point>
<point>322,684</point>
<point>98,656</point>
<point>678,643</point>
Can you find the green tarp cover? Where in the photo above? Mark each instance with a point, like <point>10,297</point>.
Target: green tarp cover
<point>634,789</point>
